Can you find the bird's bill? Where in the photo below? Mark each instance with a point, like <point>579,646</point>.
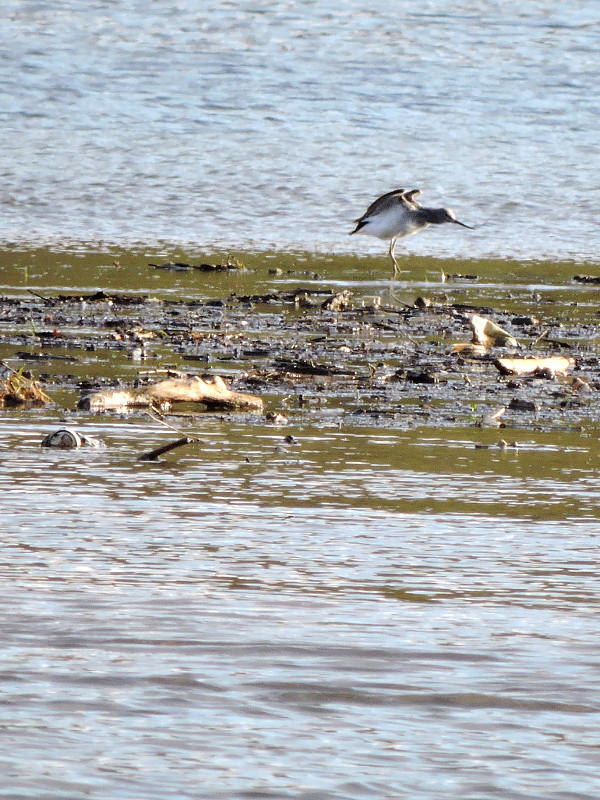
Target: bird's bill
<point>463,225</point>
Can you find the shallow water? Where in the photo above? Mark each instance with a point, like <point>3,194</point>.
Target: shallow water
<point>376,610</point>
<point>244,125</point>
<point>355,616</point>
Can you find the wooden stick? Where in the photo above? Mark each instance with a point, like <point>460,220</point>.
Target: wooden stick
<point>153,455</point>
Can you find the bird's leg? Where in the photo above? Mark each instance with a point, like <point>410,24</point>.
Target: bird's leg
<point>393,257</point>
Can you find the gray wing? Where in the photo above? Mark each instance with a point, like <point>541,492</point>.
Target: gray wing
<point>409,198</point>
<point>382,203</point>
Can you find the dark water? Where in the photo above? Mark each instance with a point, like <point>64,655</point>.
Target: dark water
<point>254,125</point>
<point>368,613</point>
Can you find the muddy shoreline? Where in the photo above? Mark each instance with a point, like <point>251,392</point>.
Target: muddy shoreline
<point>315,350</point>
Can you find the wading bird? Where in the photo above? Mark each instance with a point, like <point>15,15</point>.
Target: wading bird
<point>397,214</point>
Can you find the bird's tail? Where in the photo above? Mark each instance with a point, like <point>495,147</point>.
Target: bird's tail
<point>360,223</point>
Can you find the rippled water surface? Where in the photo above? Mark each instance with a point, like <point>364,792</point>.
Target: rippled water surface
<point>252,124</point>
<point>289,625</point>
<point>258,621</point>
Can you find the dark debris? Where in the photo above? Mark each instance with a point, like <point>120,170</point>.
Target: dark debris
<point>321,351</point>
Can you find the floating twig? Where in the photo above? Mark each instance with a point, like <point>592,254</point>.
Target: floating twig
<point>153,455</point>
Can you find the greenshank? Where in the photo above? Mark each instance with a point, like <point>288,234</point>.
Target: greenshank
<point>397,214</point>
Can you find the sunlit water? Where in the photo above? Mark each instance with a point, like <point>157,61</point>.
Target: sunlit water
<point>252,125</point>
<point>361,614</point>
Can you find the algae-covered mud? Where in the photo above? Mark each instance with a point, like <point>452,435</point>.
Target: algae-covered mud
<point>322,342</point>
<point>377,582</point>
<point>331,347</point>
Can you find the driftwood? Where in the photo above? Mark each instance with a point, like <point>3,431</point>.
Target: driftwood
<point>153,455</point>
<point>493,417</point>
<point>541,367</point>
<point>211,392</point>
<point>487,333</point>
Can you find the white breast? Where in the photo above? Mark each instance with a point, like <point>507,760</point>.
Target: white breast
<point>392,222</point>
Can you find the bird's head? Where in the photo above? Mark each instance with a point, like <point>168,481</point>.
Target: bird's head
<point>446,215</point>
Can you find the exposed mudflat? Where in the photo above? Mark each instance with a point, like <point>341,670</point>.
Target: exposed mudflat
<point>317,351</point>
